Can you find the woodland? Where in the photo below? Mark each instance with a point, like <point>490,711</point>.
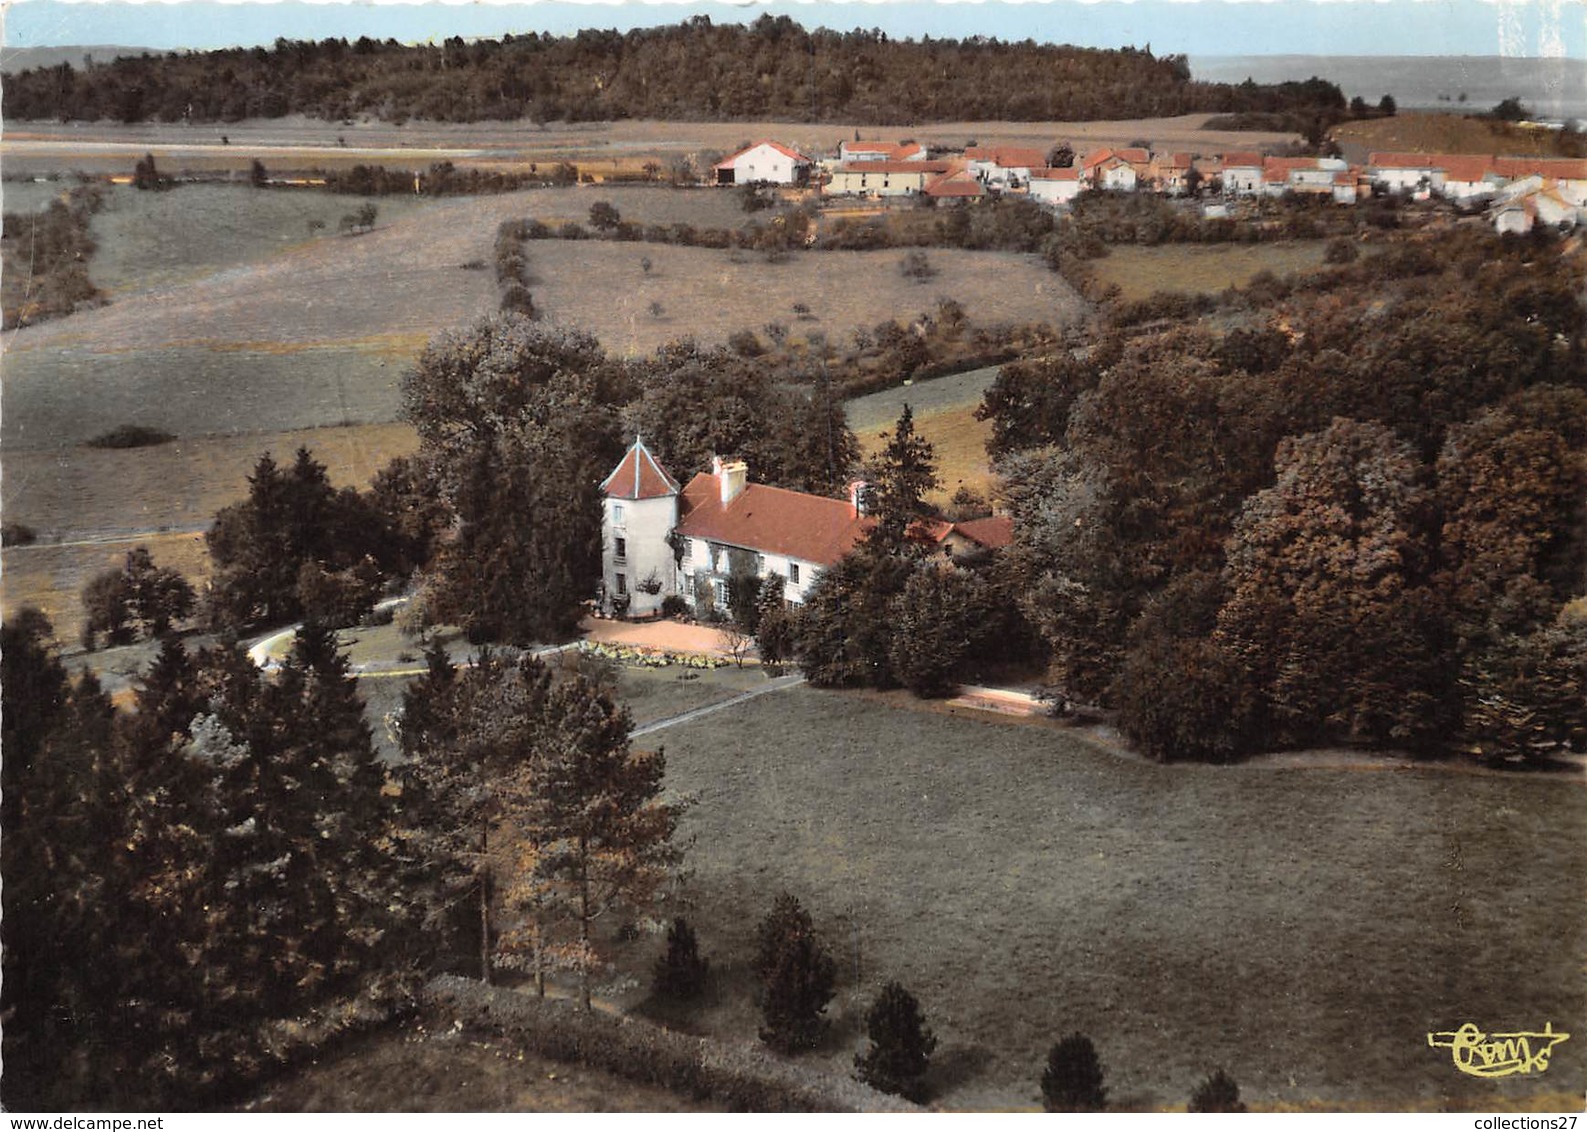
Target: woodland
<point>696,70</point>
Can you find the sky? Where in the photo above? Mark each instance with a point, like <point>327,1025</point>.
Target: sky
<point>1516,28</point>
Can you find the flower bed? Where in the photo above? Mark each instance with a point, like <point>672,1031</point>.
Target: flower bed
<point>651,658</point>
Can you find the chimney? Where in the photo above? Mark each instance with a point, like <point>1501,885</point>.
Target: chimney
<point>730,477</point>
<point>857,492</point>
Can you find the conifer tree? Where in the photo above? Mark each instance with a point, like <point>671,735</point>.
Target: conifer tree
<point>901,1044</point>
<point>797,976</point>
<point>901,476</point>
<point>1072,1081</point>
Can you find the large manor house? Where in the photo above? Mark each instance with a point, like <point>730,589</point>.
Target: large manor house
<point>661,540</point>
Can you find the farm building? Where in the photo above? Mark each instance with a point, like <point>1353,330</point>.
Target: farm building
<point>1055,186</point>
<point>660,540</point>
<point>766,162</point>
<point>884,178</point>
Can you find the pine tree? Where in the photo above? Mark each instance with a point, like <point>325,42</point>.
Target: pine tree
<point>797,976</point>
<point>1072,1081</point>
<point>681,971</point>
<point>592,835</point>
<point>901,476</point>
<point>901,1044</point>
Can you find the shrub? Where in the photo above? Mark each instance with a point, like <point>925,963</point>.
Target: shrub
<point>516,297</point>
<point>1340,249</point>
<point>681,971</point>
<point>916,266</point>
<point>1072,1081</point>
<point>131,436</point>
<point>797,976</point>
<point>673,605</point>
<point>901,1045</point>
<point>17,534</point>
<point>1218,1093</point>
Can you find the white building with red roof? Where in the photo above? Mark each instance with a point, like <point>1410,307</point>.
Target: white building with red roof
<point>1055,186</point>
<point>765,162</point>
<point>850,152</point>
<point>1003,167</point>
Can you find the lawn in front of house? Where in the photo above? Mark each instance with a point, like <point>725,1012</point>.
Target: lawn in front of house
<point>1303,928</point>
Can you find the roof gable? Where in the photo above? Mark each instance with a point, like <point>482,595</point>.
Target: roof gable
<point>797,157</point>
<point>639,476</point>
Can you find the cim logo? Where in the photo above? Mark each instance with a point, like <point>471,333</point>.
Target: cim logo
<point>1477,1054</point>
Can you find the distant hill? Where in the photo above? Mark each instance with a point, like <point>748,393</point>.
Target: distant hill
<point>1555,88</point>
<point>772,69</point>
<point>14,59</point>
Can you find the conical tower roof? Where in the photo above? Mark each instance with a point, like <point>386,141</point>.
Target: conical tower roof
<point>639,476</point>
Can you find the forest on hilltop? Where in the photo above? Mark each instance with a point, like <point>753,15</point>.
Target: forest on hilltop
<point>695,70</point>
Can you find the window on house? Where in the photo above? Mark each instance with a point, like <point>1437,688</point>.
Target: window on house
<point>688,545</point>
<point>617,513</point>
<point>721,594</point>
<point>622,584</point>
<point>793,572</point>
<point>621,548</point>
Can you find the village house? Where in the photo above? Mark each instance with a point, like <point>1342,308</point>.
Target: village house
<point>1003,167</point>
<point>1170,172</point>
<point>1115,170</point>
<point>766,162</point>
<point>956,186</point>
<point>1054,186</point>
<point>883,178</point>
<point>661,541</point>
<point>1531,201</point>
<point>1242,174</point>
<point>858,151</point>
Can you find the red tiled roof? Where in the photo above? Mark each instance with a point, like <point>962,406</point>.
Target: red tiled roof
<point>639,476</point>
<point>959,184</point>
<point>1558,168</point>
<point>1006,157</point>
<point>1135,156</point>
<point>1406,160</point>
<point>1069,174</point>
<point>891,152</point>
<point>727,162</point>
<point>1468,168</point>
<point>1177,161</point>
<point>772,520</point>
<point>1243,159</point>
<point>994,532</point>
<point>897,167</point>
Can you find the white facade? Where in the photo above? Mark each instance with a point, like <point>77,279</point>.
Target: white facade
<point>767,163</point>
<point>635,553</point>
<point>1056,190</point>
<point>1242,180</point>
<point>708,564</point>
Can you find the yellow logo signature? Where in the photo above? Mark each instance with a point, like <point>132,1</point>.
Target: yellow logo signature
<point>1497,1055</point>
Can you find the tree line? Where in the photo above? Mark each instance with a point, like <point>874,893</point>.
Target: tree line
<point>696,70</point>
<point>1354,514</point>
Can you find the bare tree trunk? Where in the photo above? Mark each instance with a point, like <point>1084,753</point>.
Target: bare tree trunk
<point>584,922</point>
<point>484,903</point>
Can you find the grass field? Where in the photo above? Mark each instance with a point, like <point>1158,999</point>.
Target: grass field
<point>295,143</point>
<point>1303,928</point>
<point>944,411</point>
<point>1201,269</point>
<point>159,497</point>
